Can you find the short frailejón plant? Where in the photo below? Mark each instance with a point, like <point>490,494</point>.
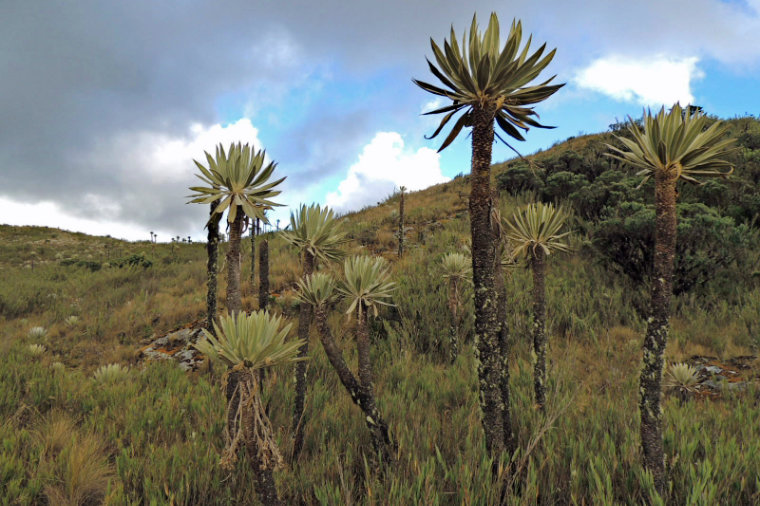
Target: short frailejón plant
<point>681,379</point>
<point>487,82</point>
<point>673,146</point>
<point>111,373</point>
<point>319,290</point>
<point>456,269</point>
<point>316,235</point>
<point>535,232</point>
<point>247,344</point>
<point>35,350</point>
<point>37,333</point>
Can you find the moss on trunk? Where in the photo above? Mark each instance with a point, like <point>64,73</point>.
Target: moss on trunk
<point>657,328</point>
<point>487,326</point>
<point>538,265</point>
<point>510,444</point>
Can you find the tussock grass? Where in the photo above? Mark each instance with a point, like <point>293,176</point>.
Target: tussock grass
<point>72,464</point>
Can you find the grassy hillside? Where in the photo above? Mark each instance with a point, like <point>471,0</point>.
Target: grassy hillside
<point>153,434</point>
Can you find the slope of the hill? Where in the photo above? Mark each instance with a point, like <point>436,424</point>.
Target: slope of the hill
<point>152,433</point>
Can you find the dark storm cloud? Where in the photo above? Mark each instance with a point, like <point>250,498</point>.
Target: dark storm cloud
<point>76,75</point>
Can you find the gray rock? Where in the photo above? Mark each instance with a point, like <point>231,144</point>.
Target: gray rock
<point>175,346</point>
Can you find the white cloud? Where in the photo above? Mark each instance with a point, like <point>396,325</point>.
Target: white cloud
<point>654,81</point>
<point>152,170</point>
<point>432,105</point>
<point>384,165</point>
<point>155,157</point>
<point>50,214</point>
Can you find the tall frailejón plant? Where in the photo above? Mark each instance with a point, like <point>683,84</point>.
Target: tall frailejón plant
<point>241,184</point>
<point>673,146</point>
<point>367,286</point>
<point>535,232</point>
<point>488,82</point>
<point>319,290</point>
<point>401,222</point>
<point>315,233</point>
<point>247,344</point>
<point>456,269</point>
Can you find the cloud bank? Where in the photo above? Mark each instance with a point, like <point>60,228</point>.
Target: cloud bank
<point>99,97</point>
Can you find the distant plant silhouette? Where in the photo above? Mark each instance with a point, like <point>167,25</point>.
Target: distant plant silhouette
<point>263,272</point>
<point>400,232</point>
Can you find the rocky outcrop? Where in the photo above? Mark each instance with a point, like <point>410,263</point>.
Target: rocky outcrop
<point>177,346</point>
<point>720,377</point>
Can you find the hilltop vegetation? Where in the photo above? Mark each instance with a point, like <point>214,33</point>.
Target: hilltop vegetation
<point>153,434</point>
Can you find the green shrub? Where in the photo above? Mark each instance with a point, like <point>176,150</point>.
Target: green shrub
<point>134,260</point>
<point>708,243</point>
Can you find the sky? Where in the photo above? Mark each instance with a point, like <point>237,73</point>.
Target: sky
<point>104,105</point>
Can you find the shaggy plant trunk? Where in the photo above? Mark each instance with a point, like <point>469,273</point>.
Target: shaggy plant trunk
<point>362,396</point>
<point>454,310</point>
<point>304,321</point>
<point>264,478</point>
<point>538,265</point>
<point>234,303</point>
<point>232,394</point>
<point>253,255</point>
<point>657,328</point>
<point>510,443</point>
<point>212,249</point>
<point>263,274</point>
<point>487,347</point>
<point>401,225</point>
<point>249,426</point>
<point>453,342</point>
